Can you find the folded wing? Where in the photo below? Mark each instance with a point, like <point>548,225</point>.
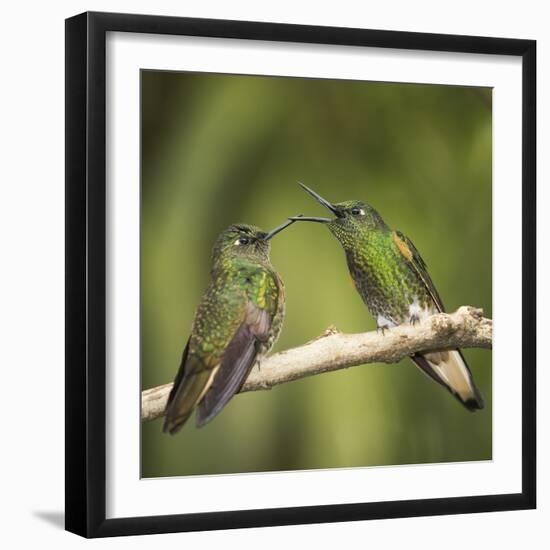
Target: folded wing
<point>448,368</point>
<point>238,360</point>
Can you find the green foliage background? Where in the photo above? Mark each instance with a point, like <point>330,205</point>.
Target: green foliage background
<point>219,149</point>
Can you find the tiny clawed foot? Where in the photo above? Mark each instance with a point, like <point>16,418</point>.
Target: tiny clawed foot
<point>382,329</point>
<point>414,319</point>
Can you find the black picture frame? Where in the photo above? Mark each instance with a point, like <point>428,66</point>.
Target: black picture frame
<point>86,274</point>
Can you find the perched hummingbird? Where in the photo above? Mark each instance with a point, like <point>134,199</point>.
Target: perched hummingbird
<point>392,279</point>
<point>237,321</point>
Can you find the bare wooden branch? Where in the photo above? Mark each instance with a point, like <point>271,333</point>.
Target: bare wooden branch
<point>333,350</point>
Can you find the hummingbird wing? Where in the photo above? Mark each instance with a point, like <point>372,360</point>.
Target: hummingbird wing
<point>192,381</point>
<point>237,362</point>
<point>230,325</point>
<point>418,265</point>
<point>263,293</point>
<point>447,368</point>
<point>217,317</point>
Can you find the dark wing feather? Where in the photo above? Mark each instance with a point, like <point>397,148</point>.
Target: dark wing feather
<point>420,268</point>
<point>179,376</point>
<point>447,368</point>
<point>191,382</point>
<point>237,362</point>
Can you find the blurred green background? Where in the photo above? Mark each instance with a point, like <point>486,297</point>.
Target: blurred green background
<point>220,149</point>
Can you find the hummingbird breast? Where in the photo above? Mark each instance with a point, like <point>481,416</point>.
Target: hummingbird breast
<point>389,288</point>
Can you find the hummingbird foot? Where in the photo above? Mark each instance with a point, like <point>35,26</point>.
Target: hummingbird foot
<point>414,318</point>
<point>383,324</point>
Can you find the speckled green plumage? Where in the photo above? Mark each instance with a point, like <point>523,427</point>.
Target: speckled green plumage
<point>223,306</point>
<point>238,320</point>
<point>386,280</point>
<point>393,281</point>
<point>383,277</point>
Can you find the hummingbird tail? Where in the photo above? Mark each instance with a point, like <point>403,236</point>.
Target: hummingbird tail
<point>449,369</point>
<point>187,391</point>
<point>174,425</point>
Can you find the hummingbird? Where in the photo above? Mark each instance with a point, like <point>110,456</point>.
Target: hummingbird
<point>392,279</point>
<point>236,323</point>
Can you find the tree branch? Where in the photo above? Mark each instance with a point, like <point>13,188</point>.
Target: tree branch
<point>333,350</point>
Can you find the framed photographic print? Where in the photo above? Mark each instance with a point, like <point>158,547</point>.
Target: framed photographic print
<point>242,203</point>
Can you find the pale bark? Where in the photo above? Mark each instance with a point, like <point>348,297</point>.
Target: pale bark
<point>333,350</point>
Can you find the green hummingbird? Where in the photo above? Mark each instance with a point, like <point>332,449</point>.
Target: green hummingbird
<point>238,320</point>
<point>392,279</point>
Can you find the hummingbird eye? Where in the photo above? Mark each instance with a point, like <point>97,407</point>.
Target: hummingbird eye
<point>242,241</point>
<point>356,211</point>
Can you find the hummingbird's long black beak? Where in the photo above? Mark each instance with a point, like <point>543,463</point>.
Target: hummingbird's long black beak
<point>320,199</point>
<point>309,219</point>
<point>278,229</point>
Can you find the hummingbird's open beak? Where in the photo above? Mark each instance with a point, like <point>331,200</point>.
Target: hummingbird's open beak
<point>278,229</point>
<point>309,219</point>
<point>320,199</point>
